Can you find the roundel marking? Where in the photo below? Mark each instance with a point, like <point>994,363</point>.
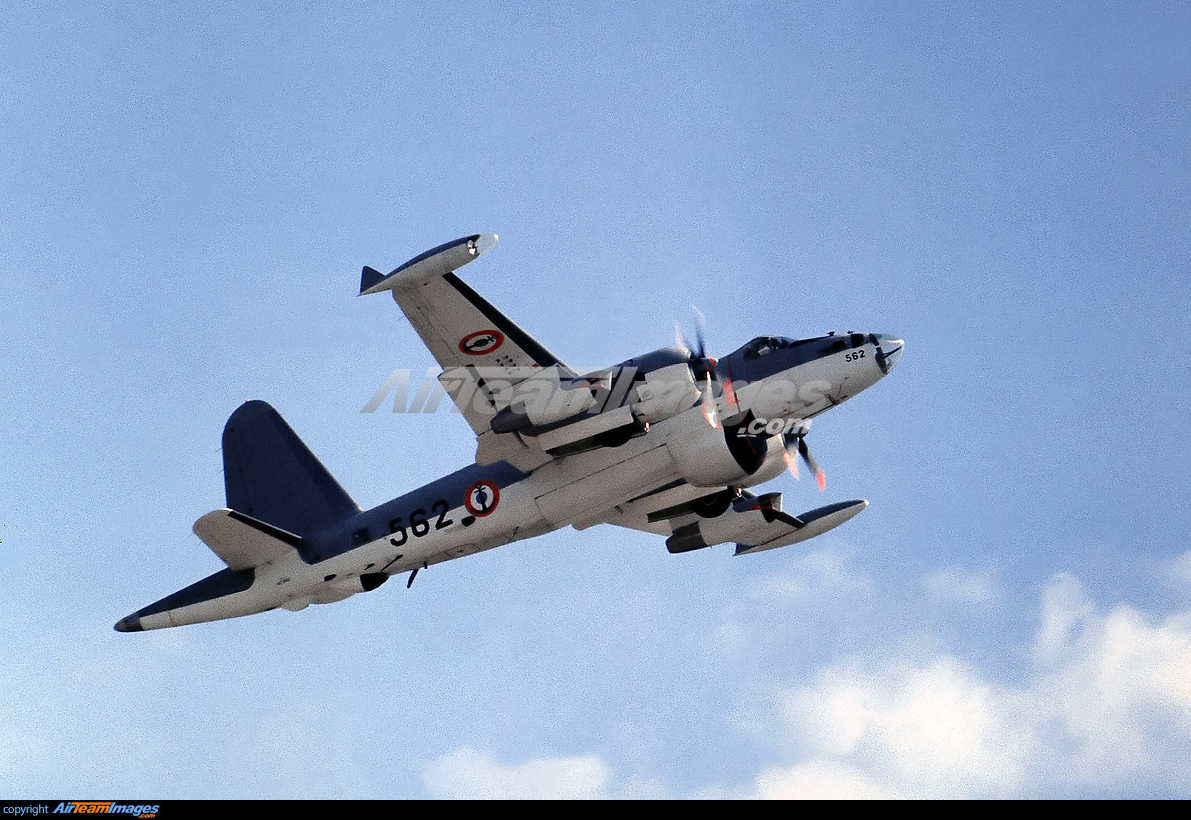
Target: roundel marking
<point>482,498</point>
<point>481,342</point>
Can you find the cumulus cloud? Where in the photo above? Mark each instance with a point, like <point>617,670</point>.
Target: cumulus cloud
<point>1180,571</point>
<point>469,774</point>
<point>822,780</point>
<point>1116,690</point>
<point>930,730</point>
<point>1105,709</point>
<point>812,577</point>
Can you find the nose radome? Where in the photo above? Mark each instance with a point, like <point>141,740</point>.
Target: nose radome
<point>889,350</point>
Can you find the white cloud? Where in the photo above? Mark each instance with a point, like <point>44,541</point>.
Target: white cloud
<point>1119,686</point>
<point>1180,571</point>
<point>814,576</point>
<point>931,730</point>
<point>1107,708</point>
<point>1065,610</point>
<point>821,780</point>
<point>469,774</point>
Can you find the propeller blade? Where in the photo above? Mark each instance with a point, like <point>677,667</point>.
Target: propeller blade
<point>730,401</point>
<point>700,332</point>
<point>702,368</point>
<point>798,437</point>
<point>708,403</point>
<point>805,452</point>
<point>791,463</point>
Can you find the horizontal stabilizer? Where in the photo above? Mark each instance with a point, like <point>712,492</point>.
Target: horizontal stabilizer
<point>243,542</point>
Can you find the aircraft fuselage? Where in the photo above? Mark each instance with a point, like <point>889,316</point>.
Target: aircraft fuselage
<point>764,388</point>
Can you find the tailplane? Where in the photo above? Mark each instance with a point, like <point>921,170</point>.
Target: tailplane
<point>271,476</point>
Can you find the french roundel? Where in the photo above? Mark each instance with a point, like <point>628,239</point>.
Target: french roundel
<point>482,498</point>
<point>481,342</point>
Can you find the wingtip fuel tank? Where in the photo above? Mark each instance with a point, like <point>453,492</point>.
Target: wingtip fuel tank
<point>434,262</point>
<point>816,522</point>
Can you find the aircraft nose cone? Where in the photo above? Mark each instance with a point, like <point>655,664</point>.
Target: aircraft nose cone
<point>889,351</point>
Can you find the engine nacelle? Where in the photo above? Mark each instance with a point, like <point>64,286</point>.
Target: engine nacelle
<point>666,392</point>
<point>709,457</point>
<point>732,525</point>
<point>547,397</point>
<point>773,466</point>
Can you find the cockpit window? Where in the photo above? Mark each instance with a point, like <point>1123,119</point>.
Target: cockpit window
<point>764,345</point>
<point>757,348</point>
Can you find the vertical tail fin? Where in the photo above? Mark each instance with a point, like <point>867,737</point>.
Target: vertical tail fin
<point>273,477</point>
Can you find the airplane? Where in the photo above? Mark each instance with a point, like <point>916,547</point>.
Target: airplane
<point>669,443</point>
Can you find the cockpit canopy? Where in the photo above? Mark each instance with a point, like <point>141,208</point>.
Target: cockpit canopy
<point>886,349</point>
<point>764,345</point>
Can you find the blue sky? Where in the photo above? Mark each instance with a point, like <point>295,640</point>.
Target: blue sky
<point>187,194</point>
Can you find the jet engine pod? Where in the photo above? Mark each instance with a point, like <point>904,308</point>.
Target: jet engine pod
<point>733,525</point>
<point>550,397</point>
<point>547,397</point>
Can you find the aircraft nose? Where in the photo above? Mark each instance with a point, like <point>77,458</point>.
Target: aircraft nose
<point>889,350</point>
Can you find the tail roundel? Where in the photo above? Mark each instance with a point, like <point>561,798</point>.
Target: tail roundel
<point>271,476</point>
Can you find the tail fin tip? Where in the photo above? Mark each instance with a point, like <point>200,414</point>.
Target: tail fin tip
<point>271,475</point>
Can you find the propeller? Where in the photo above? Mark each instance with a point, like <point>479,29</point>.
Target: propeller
<point>796,440</point>
<point>703,368</point>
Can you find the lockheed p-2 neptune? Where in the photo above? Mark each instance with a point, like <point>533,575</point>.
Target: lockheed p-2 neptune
<point>669,442</point>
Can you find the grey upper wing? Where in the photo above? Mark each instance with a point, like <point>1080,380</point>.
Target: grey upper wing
<point>483,353</point>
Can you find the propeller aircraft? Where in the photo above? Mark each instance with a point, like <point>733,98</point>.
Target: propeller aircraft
<point>669,442</point>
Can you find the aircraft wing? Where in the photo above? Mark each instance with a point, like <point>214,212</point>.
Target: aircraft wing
<point>658,511</point>
<point>755,523</point>
<point>483,353</point>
